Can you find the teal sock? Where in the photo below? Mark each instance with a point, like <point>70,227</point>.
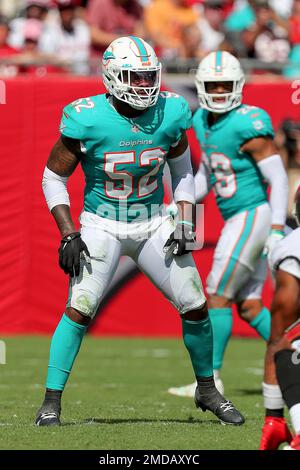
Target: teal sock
<point>64,347</point>
<point>221,321</point>
<point>198,339</point>
<point>262,323</point>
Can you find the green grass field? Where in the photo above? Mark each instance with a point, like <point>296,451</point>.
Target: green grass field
<point>117,397</point>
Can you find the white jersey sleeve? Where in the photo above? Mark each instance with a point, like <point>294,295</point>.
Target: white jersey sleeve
<point>286,254</point>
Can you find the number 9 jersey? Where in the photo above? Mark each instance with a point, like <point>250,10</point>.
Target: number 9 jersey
<point>234,175</point>
<point>124,157</point>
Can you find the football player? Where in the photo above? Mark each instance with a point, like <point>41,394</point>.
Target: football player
<point>282,362</point>
<point>239,160</point>
<point>122,139</point>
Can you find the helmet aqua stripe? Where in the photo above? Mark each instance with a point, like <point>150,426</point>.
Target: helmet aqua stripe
<point>220,66</point>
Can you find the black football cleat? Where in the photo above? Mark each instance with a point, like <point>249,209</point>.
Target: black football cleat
<point>48,414</point>
<point>48,419</point>
<point>222,409</point>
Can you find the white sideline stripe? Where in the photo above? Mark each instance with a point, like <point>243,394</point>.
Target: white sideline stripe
<point>255,370</point>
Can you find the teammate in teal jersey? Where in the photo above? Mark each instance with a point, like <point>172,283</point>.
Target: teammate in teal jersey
<point>123,140</point>
<point>239,159</point>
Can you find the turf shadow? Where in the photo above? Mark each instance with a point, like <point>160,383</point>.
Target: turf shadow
<point>249,392</point>
<point>141,420</point>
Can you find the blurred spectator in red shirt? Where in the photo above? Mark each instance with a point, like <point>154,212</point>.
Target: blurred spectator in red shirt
<point>6,50</point>
<point>295,23</point>
<point>35,9</point>
<point>110,19</point>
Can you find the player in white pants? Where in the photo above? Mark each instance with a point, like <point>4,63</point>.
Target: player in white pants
<point>123,139</point>
<point>239,159</point>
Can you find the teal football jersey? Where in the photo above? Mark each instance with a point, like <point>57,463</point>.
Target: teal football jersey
<point>234,175</point>
<point>124,158</point>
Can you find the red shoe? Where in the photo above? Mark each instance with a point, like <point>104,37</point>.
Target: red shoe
<point>295,444</point>
<point>274,432</point>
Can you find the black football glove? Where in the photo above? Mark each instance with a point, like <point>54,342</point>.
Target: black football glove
<point>181,241</point>
<point>69,251</point>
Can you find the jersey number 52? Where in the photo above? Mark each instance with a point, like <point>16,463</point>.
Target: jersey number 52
<point>125,179</point>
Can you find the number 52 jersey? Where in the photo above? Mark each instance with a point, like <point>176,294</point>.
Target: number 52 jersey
<point>124,158</point>
<point>234,175</point>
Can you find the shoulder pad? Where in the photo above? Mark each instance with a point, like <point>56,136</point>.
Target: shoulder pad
<point>77,117</point>
<point>253,122</point>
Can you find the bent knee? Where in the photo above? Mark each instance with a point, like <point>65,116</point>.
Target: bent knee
<point>187,291</point>
<point>287,294</point>
<point>85,302</point>
<point>198,314</point>
<point>77,316</point>
<point>218,301</point>
<point>277,344</point>
<point>286,301</point>
<point>249,309</point>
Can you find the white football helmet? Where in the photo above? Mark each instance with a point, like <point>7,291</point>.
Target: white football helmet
<point>132,72</point>
<point>220,66</point>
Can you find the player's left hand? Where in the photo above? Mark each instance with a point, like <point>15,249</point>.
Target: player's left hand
<point>181,241</point>
<point>274,237</point>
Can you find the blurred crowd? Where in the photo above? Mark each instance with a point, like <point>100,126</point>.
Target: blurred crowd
<point>39,36</point>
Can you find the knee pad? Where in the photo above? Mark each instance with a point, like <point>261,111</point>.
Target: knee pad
<point>191,296</point>
<point>184,287</point>
<point>83,298</point>
<point>85,303</point>
<point>287,364</point>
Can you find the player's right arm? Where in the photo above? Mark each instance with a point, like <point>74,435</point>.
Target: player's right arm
<point>263,151</point>
<point>60,165</point>
<point>63,160</point>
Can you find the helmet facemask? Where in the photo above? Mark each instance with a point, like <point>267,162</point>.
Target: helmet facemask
<point>125,86</point>
<point>220,67</point>
<point>232,99</point>
<point>132,72</point>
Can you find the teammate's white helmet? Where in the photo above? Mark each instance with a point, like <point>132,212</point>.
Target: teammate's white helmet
<point>220,66</point>
<point>132,72</point>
